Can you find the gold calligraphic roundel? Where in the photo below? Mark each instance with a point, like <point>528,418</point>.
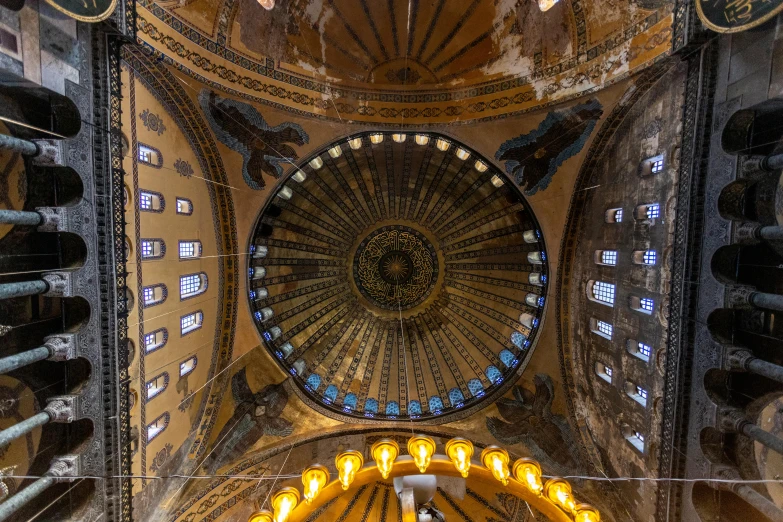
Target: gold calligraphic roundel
<point>395,267</point>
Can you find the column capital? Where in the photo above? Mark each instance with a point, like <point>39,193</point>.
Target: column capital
<point>50,153</point>
<point>61,346</point>
<point>65,468</point>
<point>747,232</point>
<point>60,284</point>
<point>63,408</point>
<point>732,420</point>
<point>738,296</point>
<point>737,358</point>
<point>53,219</point>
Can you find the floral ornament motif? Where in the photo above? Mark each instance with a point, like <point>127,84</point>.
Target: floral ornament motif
<point>161,458</point>
<point>152,122</point>
<point>183,168</point>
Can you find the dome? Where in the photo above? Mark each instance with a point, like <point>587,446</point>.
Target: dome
<point>396,270</point>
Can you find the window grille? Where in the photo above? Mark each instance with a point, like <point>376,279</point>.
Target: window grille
<point>646,304</point>
<point>609,257</point>
<point>644,349</point>
<point>604,292</point>
<point>149,295</point>
<point>656,166</point>
<point>190,322</point>
<point>157,426</point>
<point>157,385</point>
<point>608,370</point>
<point>145,154</point>
<point>145,201</point>
<point>641,392</point>
<point>189,285</point>
<point>186,367</point>
<point>650,257</point>
<point>189,249</point>
<point>618,215</point>
<point>147,248</point>
<point>653,211</point>
<point>605,328</point>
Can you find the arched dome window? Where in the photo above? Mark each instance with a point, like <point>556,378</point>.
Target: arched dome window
<point>456,398</point>
<point>493,374</point>
<point>350,401</point>
<point>507,358</point>
<point>314,381</point>
<point>331,393</point>
<point>475,387</point>
<point>601,292</point>
<point>371,406</point>
<point>393,408</point>
<point>436,404</point>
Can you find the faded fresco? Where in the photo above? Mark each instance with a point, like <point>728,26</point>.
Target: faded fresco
<point>239,126</point>
<point>533,158</point>
<point>528,419</point>
<point>255,414</point>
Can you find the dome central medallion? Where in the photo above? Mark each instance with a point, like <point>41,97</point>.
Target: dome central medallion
<point>395,267</point>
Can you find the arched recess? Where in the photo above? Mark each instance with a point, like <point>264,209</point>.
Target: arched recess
<point>577,260</point>
<point>180,107</point>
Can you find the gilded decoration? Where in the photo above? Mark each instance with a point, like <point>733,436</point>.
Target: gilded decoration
<point>395,267</point>
<point>347,62</point>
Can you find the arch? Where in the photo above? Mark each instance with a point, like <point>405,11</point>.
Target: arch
<point>157,385</point>
<point>371,406</point>
<point>154,295</point>
<point>188,366</point>
<point>507,358</point>
<point>191,285</point>
<point>392,408</point>
<point>350,401</point>
<point>155,340</point>
<point>153,248</point>
<point>51,114</point>
<point>435,404</point>
<point>475,387</point>
<point>456,398</point>
<point>414,408</point>
<point>493,374</point>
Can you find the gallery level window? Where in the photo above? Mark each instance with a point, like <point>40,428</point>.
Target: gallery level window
<point>189,249</point>
<point>157,426</point>
<point>154,295</point>
<point>184,206</point>
<point>604,371</point>
<point>152,248</point>
<point>192,285</point>
<point>601,292</point>
<point>614,215</point>
<point>150,201</point>
<point>639,350</point>
<point>190,322</point>
<point>155,340</point>
<point>187,366</point>
<point>601,328</point>
<point>651,166</point>
<point>606,257</point>
<point>157,385</point>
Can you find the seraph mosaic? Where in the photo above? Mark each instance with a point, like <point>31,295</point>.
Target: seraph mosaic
<point>533,158</point>
<point>528,418</point>
<point>241,127</point>
<point>255,415</point>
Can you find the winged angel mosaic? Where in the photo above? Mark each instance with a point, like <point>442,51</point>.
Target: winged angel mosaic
<point>242,128</point>
<point>533,158</point>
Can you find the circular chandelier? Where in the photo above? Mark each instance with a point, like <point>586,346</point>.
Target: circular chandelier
<point>554,498</point>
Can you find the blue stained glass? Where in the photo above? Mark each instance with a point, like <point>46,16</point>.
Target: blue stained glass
<point>267,336</point>
<point>493,374</point>
<point>258,316</point>
<point>543,256</point>
<point>350,401</point>
<point>393,408</point>
<point>314,381</point>
<point>436,404</point>
<point>541,301</point>
<point>535,322</point>
<point>331,393</point>
<point>414,408</point>
<point>475,387</point>
<point>538,234</point>
<point>456,398</point>
<point>543,279</point>
<point>250,271</point>
<point>252,249</point>
<point>253,294</point>
<point>507,358</point>
<point>517,339</point>
<point>371,406</point>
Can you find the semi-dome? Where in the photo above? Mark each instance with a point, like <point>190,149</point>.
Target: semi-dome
<point>398,276</point>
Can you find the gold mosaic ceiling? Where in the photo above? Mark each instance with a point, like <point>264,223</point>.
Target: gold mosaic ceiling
<point>397,276</point>
<point>355,59</point>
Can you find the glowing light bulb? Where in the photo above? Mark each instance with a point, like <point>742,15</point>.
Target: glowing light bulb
<point>314,479</point>
<point>442,145</point>
<point>481,166</point>
<point>261,516</point>
<point>384,452</point>
<point>336,151</point>
<point>375,139</point>
<point>284,502</point>
<point>587,513</point>
<point>399,138</point>
<point>496,460</point>
<point>460,451</point>
<point>316,163</point>
<point>462,154</point>
<point>422,139</point>
<point>559,492</point>
<point>348,464</point>
<point>421,449</point>
<point>528,472</point>
<point>355,143</point>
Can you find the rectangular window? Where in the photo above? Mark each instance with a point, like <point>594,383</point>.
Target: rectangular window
<point>605,328</point>
<point>647,304</point>
<point>145,201</point>
<point>608,370</point>
<point>657,166</point>
<point>149,294</point>
<point>157,426</point>
<point>604,292</point>
<point>184,206</point>
<point>644,349</point>
<point>147,249</point>
<point>156,386</point>
<point>190,322</point>
<point>609,257</point>
<point>650,257</point>
<point>189,285</point>
<point>618,215</point>
<point>187,249</point>
<point>187,366</point>
<point>653,211</point>
<point>641,392</point>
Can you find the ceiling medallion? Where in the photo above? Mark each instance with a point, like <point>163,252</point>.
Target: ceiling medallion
<point>395,267</point>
